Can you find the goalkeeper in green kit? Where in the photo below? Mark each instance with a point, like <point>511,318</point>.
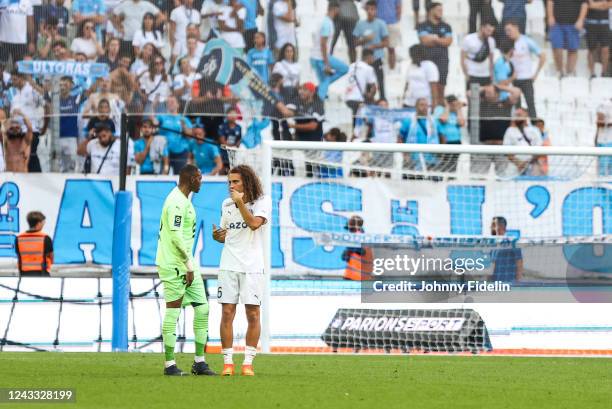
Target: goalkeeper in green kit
<point>183,284</point>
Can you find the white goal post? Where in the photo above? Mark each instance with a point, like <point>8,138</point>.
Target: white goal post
<point>566,164</point>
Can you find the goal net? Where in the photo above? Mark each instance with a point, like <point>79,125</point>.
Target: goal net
<point>333,200</point>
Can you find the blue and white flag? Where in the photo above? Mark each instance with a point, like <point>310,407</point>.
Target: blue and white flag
<point>226,66</point>
<point>61,68</point>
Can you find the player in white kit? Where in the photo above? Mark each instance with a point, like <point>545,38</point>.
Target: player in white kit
<point>241,271</point>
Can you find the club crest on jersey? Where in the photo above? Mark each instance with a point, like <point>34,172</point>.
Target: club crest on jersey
<point>177,221</point>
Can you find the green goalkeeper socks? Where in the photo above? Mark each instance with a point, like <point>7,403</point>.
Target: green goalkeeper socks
<point>169,331</point>
<point>200,328</point>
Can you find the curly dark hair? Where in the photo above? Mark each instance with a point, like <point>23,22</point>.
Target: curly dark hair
<point>250,181</point>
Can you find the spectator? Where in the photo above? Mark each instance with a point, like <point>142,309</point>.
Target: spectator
<point>381,129</point>
<point>48,34</point>
<point>59,13</point>
<point>361,87</point>
<point>503,76</point>
<point>155,86</point>
<point>334,157</point>
<point>420,127</point>
<point>82,83</point>
<point>182,83</point>
<point>477,55</point>
<point>436,36</point>
<point>60,51</point>
<point>25,98</point>
<point>260,57</point>
<point>151,151</point>
<point>125,85</point>
<point>193,55</point>
<point>17,31</point>
<point>144,60</point>
<point>103,91</point>
<point>184,48</point>
<point>450,121</point>
<point>604,136</point>
<point>102,118</point>
<point>175,128</point>
<point>542,160</point>
<point>422,79</point>
<point>103,152</point>
<point>128,16</point>
<point>210,12</point>
<point>231,24</point>
<point>180,18</point>
<point>86,41</point>
<point>205,154</point>
<point>390,11</point>
<point>598,38</point>
<point>484,8</point>
<point>229,133</point>
<point>284,22</point>
<point>253,9</point>
<point>69,106</point>
<point>415,10</point>
<point>514,10</point>
<point>521,133</point>
<point>288,67</point>
<point>358,259</point>
<point>280,130</point>
<point>111,54</point>
<point>524,48</point>
<point>566,20</point>
<point>327,67</point>
<point>345,22</point>
<point>308,124</point>
<point>34,248</point>
<point>92,10</point>
<point>147,34</point>
<point>372,34</point>
<point>17,138</point>
<point>507,262</point>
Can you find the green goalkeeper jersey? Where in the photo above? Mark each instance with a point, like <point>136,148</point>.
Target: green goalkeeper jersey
<point>177,227</point>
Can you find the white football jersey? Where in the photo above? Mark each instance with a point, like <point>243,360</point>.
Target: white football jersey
<point>243,250</point>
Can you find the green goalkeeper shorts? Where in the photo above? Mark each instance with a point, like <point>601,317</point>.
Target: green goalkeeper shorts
<point>175,287</point>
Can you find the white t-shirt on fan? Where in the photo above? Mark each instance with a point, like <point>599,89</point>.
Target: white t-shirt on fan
<point>234,38</point>
<point>472,44</point>
<point>360,75</point>
<point>243,250</point>
<point>419,79</point>
<point>14,22</point>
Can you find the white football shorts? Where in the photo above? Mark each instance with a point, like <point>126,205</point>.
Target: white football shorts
<point>235,287</point>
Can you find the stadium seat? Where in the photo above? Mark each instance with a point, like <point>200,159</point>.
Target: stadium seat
<point>601,89</point>
<point>577,87</point>
<point>547,88</point>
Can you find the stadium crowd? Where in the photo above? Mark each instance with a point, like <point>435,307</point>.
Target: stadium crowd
<point>153,50</point>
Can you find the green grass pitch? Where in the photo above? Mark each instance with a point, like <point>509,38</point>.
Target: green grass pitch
<point>106,380</point>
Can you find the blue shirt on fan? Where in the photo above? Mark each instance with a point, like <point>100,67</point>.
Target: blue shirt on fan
<point>68,123</point>
<point>387,10</point>
<point>260,61</point>
<point>170,127</point>
<point>204,154</point>
<point>378,28</point>
<point>250,22</point>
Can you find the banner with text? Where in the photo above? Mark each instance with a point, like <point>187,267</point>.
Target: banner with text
<point>309,222</point>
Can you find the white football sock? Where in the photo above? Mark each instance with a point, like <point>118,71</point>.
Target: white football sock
<point>199,359</point>
<point>227,355</point>
<point>170,363</point>
<point>249,354</point>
